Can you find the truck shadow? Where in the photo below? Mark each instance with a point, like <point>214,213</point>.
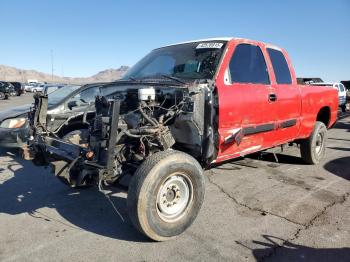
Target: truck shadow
<point>342,125</point>
<point>293,252</point>
<point>282,158</point>
<point>25,188</point>
<point>339,167</point>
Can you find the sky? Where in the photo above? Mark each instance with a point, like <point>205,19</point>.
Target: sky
<point>85,37</point>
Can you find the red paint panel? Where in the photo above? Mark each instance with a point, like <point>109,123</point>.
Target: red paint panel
<point>246,105</point>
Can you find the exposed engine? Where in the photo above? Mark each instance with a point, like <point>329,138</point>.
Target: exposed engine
<point>132,124</point>
<point>149,121</point>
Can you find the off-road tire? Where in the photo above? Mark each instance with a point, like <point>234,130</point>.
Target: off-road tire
<point>309,146</point>
<point>145,186</point>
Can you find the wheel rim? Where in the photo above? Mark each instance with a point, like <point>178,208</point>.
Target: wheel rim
<point>174,196</point>
<point>319,144</point>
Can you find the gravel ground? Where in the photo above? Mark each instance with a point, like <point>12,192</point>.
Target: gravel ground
<point>255,210</point>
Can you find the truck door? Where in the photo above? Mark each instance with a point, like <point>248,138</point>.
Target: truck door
<point>288,98</point>
<point>246,111</point>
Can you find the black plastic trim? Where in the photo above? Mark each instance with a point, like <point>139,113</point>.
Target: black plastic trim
<point>288,123</point>
<point>258,129</point>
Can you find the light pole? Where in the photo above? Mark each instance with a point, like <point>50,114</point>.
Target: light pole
<point>51,65</point>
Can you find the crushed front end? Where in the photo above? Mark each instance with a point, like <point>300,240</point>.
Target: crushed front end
<point>132,124</point>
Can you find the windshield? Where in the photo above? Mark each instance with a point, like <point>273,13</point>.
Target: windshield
<point>57,96</point>
<point>197,60</point>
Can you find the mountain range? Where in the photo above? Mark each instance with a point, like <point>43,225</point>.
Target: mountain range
<point>8,73</point>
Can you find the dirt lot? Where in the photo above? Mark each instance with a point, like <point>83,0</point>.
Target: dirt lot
<point>255,209</point>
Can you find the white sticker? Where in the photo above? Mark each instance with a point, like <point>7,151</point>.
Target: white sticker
<point>209,45</point>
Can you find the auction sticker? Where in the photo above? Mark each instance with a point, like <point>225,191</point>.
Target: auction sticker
<point>209,45</point>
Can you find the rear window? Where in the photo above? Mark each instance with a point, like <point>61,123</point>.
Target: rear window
<point>280,66</point>
<point>248,65</point>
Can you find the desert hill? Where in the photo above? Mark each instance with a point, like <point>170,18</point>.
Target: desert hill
<point>8,73</point>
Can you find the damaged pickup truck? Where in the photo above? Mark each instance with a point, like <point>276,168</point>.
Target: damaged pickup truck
<point>181,109</point>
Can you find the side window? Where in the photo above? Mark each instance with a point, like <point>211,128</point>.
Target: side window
<point>248,65</point>
<point>341,87</point>
<point>280,66</point>
<point>85,97</point>
<point>89,95</point>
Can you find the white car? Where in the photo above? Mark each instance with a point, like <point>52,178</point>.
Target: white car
<point>341,92</point>
<point>27,87</point>
<point>34,88</point>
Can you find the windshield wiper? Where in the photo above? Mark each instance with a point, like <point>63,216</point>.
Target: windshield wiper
<point>156,78</point>
<point>174,79</point>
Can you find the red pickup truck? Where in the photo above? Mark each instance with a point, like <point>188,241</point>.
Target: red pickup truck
<point>183,108</point>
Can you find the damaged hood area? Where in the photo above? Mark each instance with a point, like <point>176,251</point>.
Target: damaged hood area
<point>14,112</point>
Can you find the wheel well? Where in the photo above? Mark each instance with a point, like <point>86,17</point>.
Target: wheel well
<point>75,123</point>
<point>324,115</point>
<point>72,127</point>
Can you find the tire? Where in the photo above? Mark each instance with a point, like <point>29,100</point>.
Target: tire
<point>2,96</point>
<point>313,148</point>
<point>165,178</point>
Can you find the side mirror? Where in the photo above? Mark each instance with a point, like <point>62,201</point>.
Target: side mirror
<point>72,104</point>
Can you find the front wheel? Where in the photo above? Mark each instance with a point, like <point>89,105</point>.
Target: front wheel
<point>166,194</point>
<point>312,149</point>
<point>2,96</point>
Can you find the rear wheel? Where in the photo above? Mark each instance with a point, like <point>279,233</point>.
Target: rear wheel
<point>313,148</point>
<point>165,194</point>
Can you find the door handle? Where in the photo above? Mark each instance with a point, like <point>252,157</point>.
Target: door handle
<point>272,97</point>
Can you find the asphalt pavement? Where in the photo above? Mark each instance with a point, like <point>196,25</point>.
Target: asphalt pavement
<point>255,209</point>
<point>13,101</point>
